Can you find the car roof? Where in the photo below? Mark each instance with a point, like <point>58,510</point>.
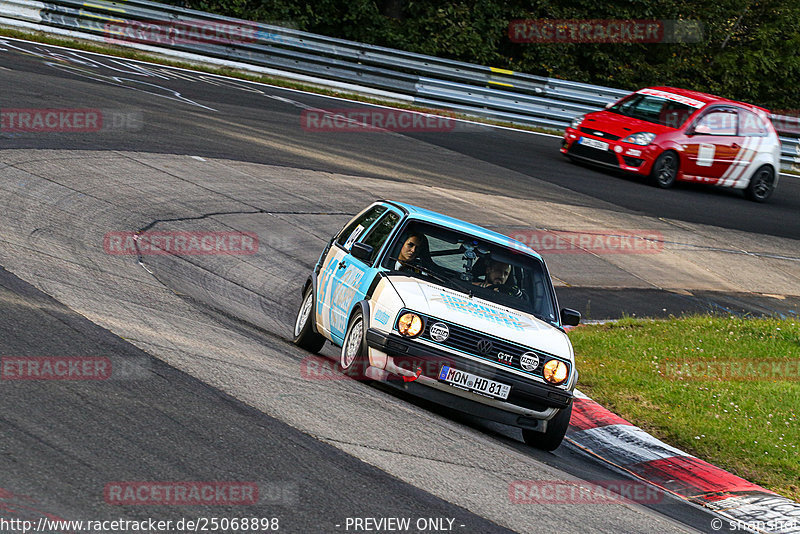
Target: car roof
<point>705,97</point>
<point>415,212</point>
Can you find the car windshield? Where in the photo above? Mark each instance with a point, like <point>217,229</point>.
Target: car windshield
<point>654,109</point>
<point>475,267</point>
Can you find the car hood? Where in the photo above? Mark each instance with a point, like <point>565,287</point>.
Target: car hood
<point>620,125</point>
<point>481,315</point>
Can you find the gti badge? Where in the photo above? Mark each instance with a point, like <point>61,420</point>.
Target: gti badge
<point>439,332</point>
<point>529,361</point>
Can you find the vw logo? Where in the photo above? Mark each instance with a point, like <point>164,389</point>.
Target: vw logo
<point>485,346</point>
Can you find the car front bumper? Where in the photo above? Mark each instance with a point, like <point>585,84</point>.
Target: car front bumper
<point>619,155</point>
<point>529,402</point>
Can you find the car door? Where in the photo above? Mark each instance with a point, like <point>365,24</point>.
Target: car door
<point>354,279</point>
<point>329,316</point>
<point>711,146</point>
<point>755,135</point>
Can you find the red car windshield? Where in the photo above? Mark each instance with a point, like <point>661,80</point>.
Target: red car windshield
<point>654,109</point>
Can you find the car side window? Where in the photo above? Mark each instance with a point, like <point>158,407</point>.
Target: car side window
<point>717,122</point>
<point>379,233</point>
<point>751,125</point>
<point>355,229</point>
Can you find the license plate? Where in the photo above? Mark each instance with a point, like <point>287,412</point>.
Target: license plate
<point>594,143</point>
<point>474,383</point>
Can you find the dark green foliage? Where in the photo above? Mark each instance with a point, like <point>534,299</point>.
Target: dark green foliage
<point>750,50</point>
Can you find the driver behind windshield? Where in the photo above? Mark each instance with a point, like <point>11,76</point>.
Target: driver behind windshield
<point>497,273</point>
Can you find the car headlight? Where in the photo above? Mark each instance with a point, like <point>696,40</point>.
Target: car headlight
<point>409,324</point>
<point>555,371</point>
<point>577,121</point>
<point>641,138</point>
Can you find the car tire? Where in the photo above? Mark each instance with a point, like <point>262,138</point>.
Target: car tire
<point>761,185</point>
<point>304,334</point>
<point>352,358</point>
<point>665,170</point>
<point>552,437</point>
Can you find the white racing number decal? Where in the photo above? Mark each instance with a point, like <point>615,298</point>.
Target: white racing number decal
<point>705,155</point>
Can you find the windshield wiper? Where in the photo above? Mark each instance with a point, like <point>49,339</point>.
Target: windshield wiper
<point>450,282</point>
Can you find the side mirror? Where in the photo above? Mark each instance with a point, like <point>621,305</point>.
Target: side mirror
<point>608,105</point>
<point>362,252</point>
<point>570,317</point>
<point>700,129</point>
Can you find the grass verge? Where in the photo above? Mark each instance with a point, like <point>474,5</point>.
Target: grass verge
<point>747,425</point>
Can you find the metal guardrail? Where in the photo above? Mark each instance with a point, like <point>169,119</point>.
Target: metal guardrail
<point>425,80</point>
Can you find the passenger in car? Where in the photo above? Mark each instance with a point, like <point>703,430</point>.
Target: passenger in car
<point>414,244</point>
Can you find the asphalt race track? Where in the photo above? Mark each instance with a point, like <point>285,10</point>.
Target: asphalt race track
<point>215,391</point>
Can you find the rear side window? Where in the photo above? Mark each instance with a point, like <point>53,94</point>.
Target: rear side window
<point>379,233</point>
<point>751,125</point>
<point>717,122</point>
<point>356,228</point>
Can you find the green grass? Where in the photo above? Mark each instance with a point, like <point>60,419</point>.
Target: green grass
<point>748,427</point>
<point>130,53</point>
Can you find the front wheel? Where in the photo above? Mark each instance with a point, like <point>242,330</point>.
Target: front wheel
<point>304,334</point>
<point>762,184</point>
<point>665,170</point>
<point>353,359</point>
<point>552,437</point>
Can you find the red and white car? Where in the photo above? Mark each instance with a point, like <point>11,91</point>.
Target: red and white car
<point>673,134</point>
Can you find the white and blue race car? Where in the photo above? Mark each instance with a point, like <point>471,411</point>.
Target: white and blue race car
<point>448,311</point>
